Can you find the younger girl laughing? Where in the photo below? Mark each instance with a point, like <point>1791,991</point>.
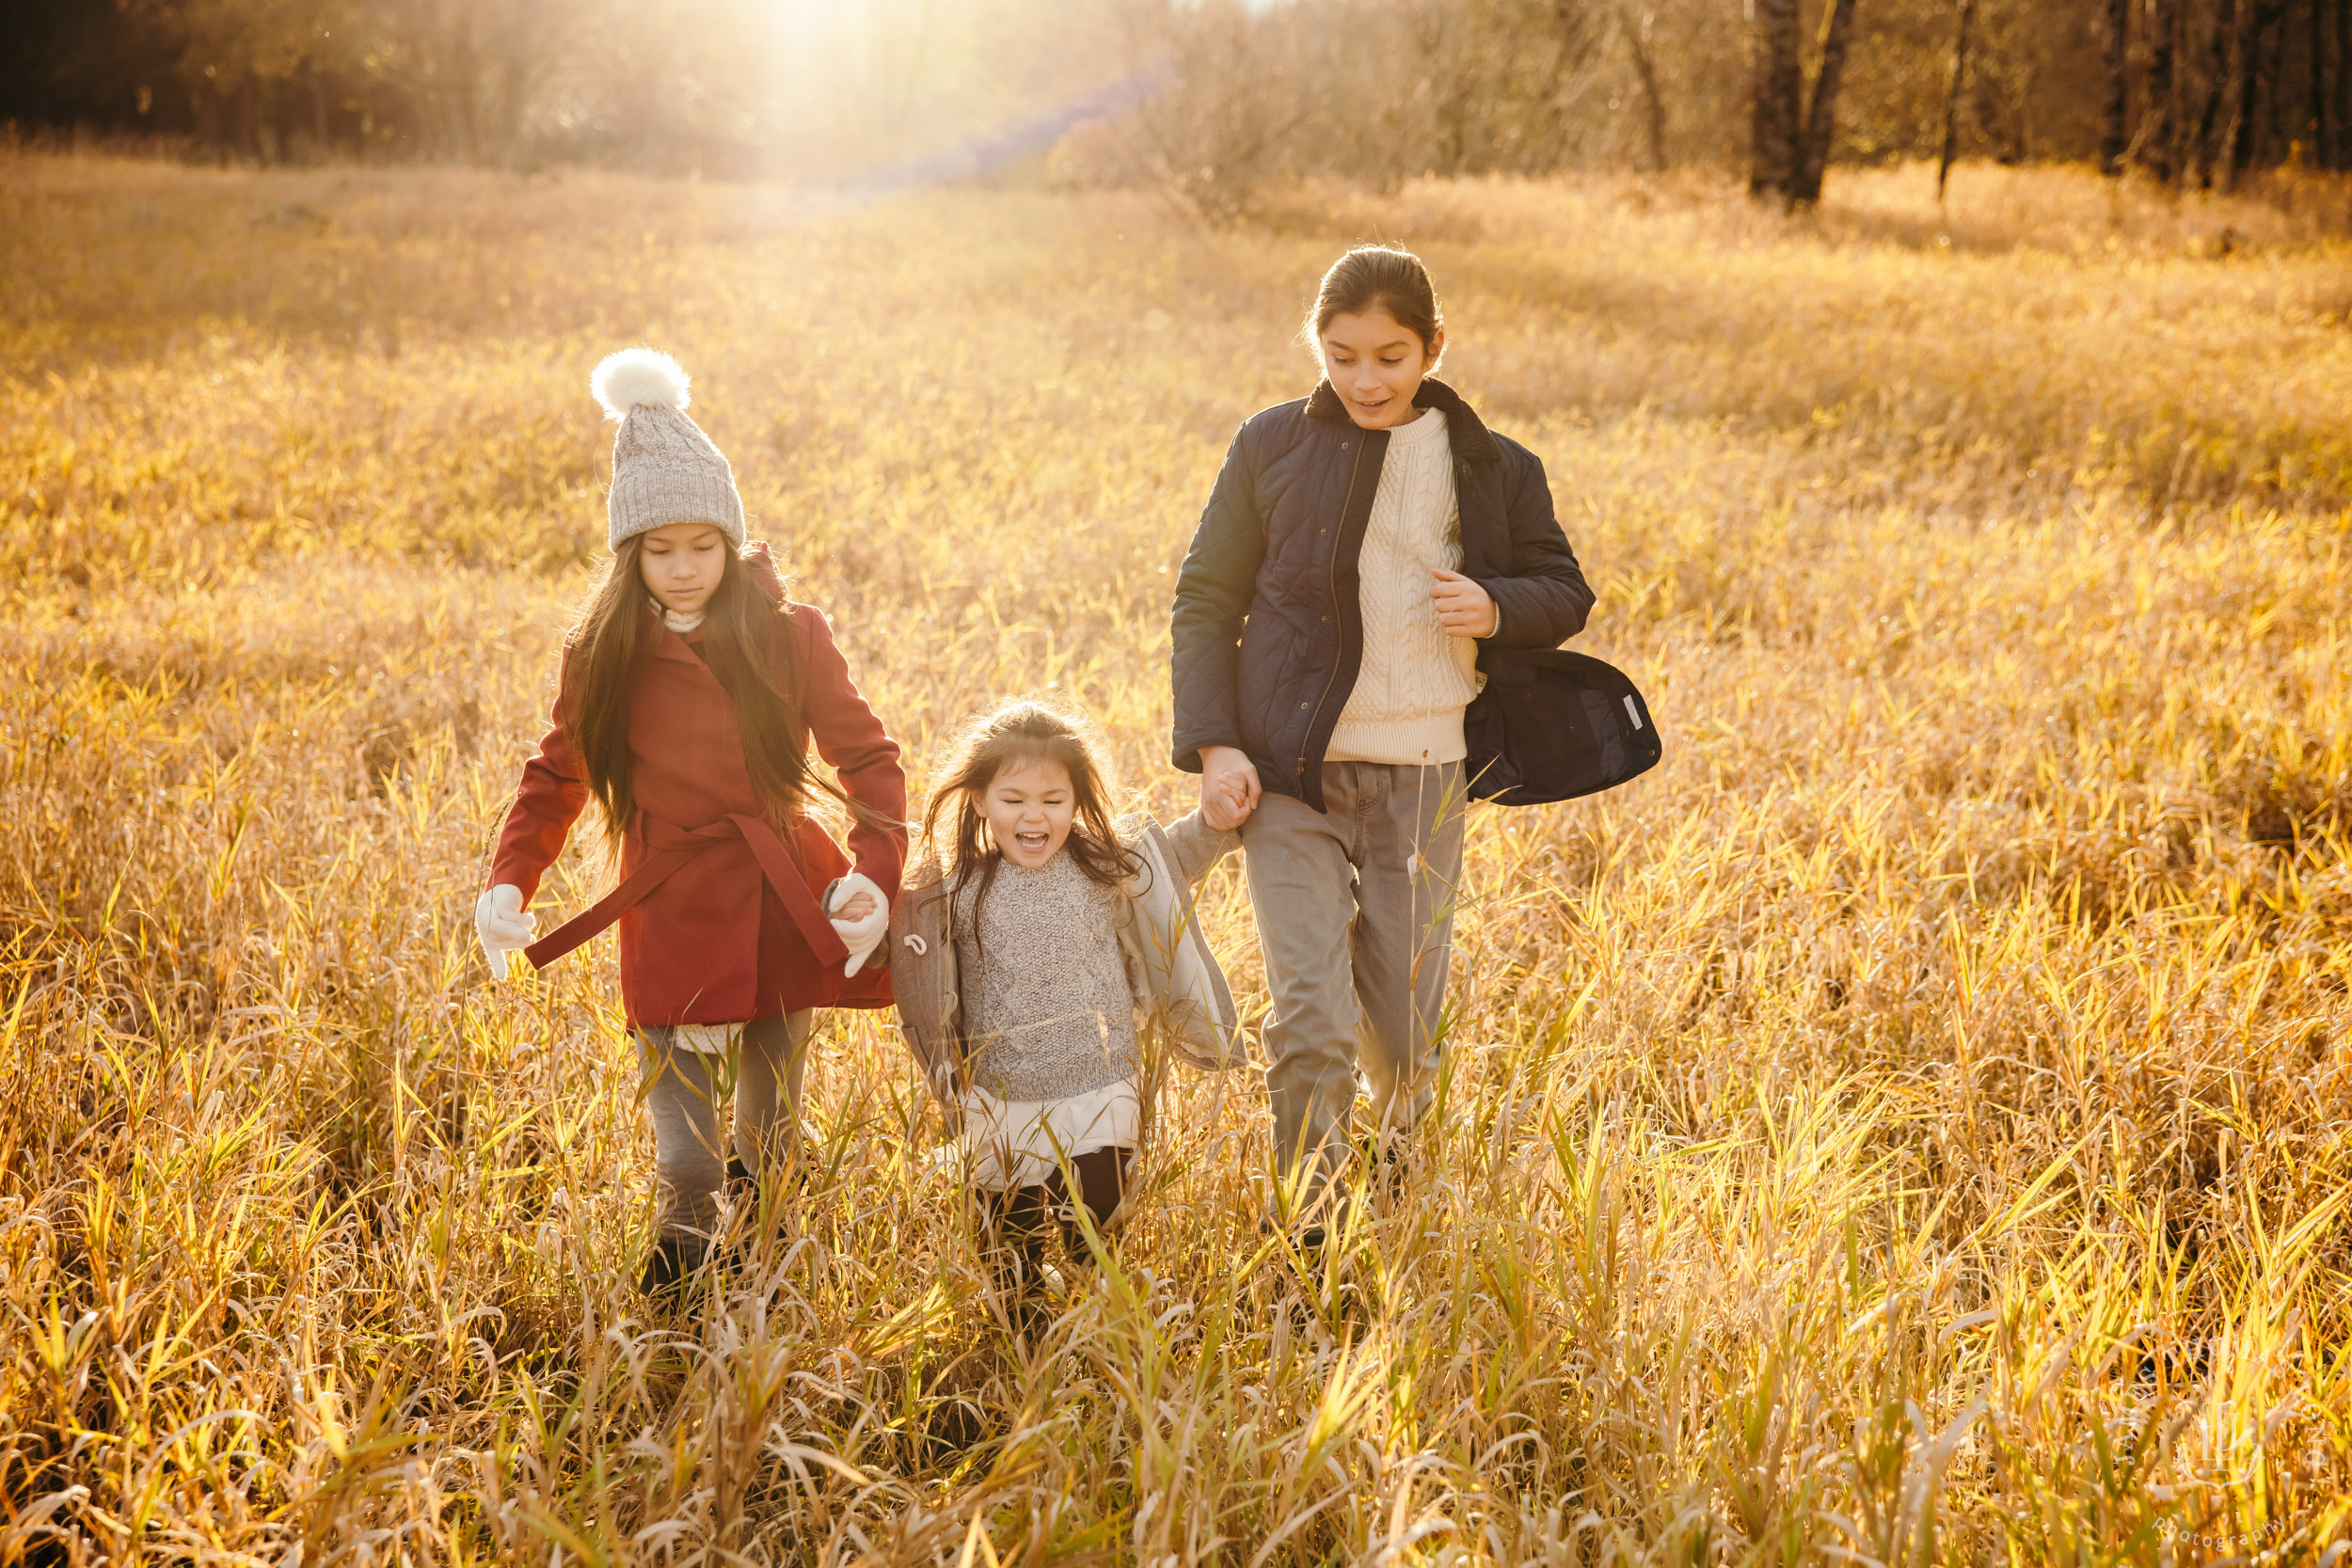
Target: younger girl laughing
<point>1027,950</point>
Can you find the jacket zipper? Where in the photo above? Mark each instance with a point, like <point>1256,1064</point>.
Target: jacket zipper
<point>1354,470</point>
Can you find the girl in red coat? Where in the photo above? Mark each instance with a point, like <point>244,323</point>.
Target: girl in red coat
<point>691,691</point>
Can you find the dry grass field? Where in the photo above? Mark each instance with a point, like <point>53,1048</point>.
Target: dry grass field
<point>1905,1128</point>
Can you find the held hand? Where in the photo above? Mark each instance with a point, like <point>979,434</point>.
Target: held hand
<point>861,918</point>
<point>1229,786</point>
<point>504,924</point>
<point>1464,608</point>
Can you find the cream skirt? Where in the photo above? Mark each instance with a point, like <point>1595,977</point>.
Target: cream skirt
<point>1020,1143</point>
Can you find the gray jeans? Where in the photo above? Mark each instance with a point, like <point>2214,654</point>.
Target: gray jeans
<point>682,1090</point>
<point>1355,909</point>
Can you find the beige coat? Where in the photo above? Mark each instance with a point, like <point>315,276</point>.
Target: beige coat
<point>1174,978</point>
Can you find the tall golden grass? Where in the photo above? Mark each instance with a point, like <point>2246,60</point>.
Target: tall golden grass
<point>1905,1128</point>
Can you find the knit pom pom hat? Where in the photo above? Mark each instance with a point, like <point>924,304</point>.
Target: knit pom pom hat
<point>665,469</point>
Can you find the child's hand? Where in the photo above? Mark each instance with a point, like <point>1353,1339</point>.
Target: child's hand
<point>860,918</point>
<point>504,924</point>
<point>1464,608</point>
<point>1229,786</point>
<point>1235,793</point>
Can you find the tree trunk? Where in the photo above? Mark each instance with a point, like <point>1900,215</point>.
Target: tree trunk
<point>2114,120</point>
<point>1951,96</point>
<point>2254,71</point>
<point>2155,134</point>
<point>204,108</point>
<point>2222,51</point>
<point>1572,44</point>
<point>2319,86</point>
<point>465,92</point>
<point>248,129</point>
<point>268,119</point>
<point>1653,101</point>
<point>1773,166</point>
<point>2344,83</point>
<point>1820,119</point>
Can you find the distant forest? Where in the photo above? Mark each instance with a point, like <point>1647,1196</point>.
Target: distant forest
<point>1215,98</point>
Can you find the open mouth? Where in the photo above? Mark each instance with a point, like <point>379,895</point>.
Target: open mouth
<point>1031,844</point>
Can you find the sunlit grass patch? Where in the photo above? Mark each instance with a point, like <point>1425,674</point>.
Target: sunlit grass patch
<point>1904,1125</point>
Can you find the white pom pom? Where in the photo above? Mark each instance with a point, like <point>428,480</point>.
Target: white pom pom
<point>638,377</point>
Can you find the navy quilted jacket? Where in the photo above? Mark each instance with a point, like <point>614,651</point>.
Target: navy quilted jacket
<point>1268,630</point>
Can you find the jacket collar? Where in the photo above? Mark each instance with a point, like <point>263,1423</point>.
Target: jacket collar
<point>761,561</point>
<point>1465,431</point>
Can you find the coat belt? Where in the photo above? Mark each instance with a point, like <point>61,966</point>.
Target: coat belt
<point>668,850</point>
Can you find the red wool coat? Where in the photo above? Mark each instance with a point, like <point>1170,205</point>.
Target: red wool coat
<point>718,913</point>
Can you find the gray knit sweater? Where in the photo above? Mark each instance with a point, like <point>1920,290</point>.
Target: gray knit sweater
<point>1047,1001</point>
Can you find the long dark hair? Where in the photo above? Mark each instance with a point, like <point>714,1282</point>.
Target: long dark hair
<point>739,642</point>
<point>1022,732</point>
<point>1382,276</point>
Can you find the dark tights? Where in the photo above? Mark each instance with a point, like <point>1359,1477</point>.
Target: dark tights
<point>1022,1220</point>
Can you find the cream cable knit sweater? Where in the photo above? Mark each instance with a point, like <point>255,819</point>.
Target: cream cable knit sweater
<point>1406,707</point>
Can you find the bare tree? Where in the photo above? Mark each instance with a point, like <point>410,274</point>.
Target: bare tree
<point>1221,97</point>
<point>1223,128</point>
<point>2317,46</point>
<point>1779,80</point>
<point>1951,95</point>
<point>235,55</point>
<point>1793,131</point>
<point>1820,119</point>
<point>1642,49</point>
<point>2115,121</point>
<point>2156,137</point>
<point>2251,72</point>
<point>2343,83</point>
<point>1576,38</point>
<point>2223,45</point>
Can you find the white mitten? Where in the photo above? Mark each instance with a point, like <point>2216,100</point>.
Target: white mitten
<point>505,926</point>
<point>863,935</point>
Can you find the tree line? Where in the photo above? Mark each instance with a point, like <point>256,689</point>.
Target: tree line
<point>1216,98</point>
